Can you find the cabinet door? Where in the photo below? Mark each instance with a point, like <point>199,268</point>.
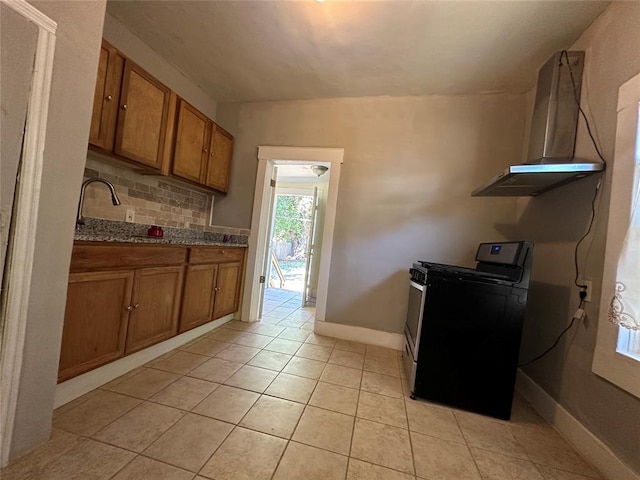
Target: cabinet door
<point>156,302</point>
<point>197,299</point>
<point>219,163</point>
<point>106,98</point>
<point>227,289</point>
<point>191,147</point>
<point>143,116</point>
<point>95,322</point>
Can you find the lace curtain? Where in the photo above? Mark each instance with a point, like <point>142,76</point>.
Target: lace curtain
<point>625,304</point>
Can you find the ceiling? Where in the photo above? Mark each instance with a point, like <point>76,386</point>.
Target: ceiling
<point>291,50</point>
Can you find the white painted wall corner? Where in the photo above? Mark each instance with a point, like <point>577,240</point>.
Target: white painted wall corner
<point>352,333</point>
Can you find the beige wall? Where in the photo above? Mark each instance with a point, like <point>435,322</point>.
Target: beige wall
<point>74,76</point>
<point>555,221</point>
<point>410,164</point>
<point>18,38</point>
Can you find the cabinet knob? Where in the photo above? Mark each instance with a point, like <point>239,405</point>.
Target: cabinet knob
<point>136,306</point>
<point>109,98</point>
<point>216,289</point>
<point>212,154</point>
<point>128,308</point>
<point>124,107</point>
<point>205,150</point>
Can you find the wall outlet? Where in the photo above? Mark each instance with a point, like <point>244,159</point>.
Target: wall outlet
<point>589,285</point>
<point>130,216</point>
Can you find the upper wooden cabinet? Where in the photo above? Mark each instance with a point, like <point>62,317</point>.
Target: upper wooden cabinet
<point>137,118</point>
<point>219,165</point>
<point>192,143</point>
<point>106,99</point>
<point>132,112</point>
<point>143,116</point>
<point>203,150</point>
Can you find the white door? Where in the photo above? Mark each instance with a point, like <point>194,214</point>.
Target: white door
<point>266,257</point>
<point>311,250</point>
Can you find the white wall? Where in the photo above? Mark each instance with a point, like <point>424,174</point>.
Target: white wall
<point>73,84</point>
<point>18,38</point>
<point>555,221</point>
<point>410,166</point>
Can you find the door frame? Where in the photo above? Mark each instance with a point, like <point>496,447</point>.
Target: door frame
<point>21,245</point>
<point>268,157</point>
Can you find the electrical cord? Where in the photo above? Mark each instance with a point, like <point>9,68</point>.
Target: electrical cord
<point>577,316</point>
<point>565,54</point>
<point>591,221</point>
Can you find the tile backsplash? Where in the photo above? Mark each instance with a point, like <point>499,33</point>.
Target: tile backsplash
<point>154,200</point>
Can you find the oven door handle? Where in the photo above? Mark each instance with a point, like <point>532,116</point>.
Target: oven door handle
<point>417,286</point>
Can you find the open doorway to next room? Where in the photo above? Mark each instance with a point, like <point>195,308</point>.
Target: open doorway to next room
<point>294,242</point>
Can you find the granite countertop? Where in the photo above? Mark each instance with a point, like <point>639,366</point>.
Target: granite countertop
<point>96,230</point>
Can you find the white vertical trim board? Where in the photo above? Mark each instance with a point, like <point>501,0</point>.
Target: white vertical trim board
<point>78,386</point>
<point>582,439</point>
<point>268,158</point>
<point>619,369</point>
<point>352,333</point>
<point>21,246</point>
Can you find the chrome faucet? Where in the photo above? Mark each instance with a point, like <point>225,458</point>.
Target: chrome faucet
<point>114,197</point>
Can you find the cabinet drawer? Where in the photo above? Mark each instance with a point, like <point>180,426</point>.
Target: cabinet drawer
<point>216,254</point>
<point>95,257</point>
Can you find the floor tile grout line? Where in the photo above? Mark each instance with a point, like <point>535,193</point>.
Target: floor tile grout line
<point>355,419</point>
<point>317,381</point>
<point>124,466</point>
<point>216,449</point>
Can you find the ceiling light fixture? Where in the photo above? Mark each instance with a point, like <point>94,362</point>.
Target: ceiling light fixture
<point>319,170</point>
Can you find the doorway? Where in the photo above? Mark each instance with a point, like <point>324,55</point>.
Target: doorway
<point>294,244</point>
<point>293,218</point>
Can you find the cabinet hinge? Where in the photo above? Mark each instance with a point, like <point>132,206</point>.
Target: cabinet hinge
<point>273,182</point>
<point>262,279</point>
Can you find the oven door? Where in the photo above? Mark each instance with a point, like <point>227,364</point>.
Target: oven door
<point>413,326</point>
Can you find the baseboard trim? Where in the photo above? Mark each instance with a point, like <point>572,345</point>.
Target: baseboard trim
<point>78,386</point>
<point>360,334</point>
<point>582,439</point>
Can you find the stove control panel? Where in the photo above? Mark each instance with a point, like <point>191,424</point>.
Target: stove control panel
<point>506,253</point>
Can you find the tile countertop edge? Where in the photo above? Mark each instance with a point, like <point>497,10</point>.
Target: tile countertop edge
<point>105,238</point>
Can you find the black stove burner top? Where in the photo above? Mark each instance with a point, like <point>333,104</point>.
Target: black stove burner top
<point>451,269</point>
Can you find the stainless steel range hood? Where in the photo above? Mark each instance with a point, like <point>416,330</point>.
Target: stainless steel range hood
<point>551,161</point>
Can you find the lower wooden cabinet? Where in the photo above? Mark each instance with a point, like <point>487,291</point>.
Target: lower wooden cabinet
<point>95,324</point>
<point>135,298</point>
<point>211,291</point>
<point>197,301</point>
<point>156,307</point>
<point>226,298</point>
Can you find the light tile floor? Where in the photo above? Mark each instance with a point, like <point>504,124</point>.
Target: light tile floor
<point>272,400</point>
